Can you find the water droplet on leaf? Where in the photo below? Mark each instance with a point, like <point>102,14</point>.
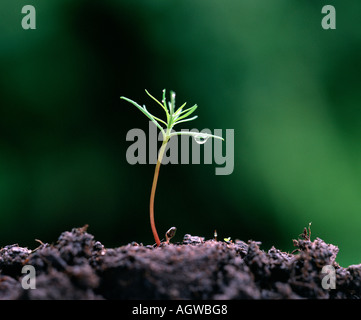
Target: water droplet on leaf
<point>201,138</point>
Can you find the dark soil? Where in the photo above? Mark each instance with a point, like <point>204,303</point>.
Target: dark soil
<point>78,267</point>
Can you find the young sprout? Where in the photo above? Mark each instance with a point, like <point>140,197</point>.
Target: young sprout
<point>215,235</point>
<point>174,117</point>
<point>227,240</point>
<point>170,234</point>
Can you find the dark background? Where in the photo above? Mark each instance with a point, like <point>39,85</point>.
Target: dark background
<point>267,69</point>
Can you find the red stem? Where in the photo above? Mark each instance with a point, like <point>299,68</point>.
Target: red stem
<point>152,194</point>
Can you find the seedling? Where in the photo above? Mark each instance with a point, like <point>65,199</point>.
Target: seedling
<point>215,235</point>
<point>174,117</point>
<point>227,240</point>
<point>170,234</point>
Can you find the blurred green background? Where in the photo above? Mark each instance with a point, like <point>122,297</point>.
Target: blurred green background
<point>289,89</point>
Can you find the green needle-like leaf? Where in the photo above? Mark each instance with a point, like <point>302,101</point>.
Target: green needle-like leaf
<point>186,112</point>
<point>172,102</point>
<point>163,106</point>
<point>160,120</point>
<point>145,111</point>
<point>180,109</point>
<point>195,134</point>
<point>185,120</point>
<point>164,103</point>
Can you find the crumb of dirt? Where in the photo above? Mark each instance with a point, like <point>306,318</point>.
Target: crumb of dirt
<point>79,267</point>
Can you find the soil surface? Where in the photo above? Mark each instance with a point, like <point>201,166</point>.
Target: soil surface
<point>79,267</point>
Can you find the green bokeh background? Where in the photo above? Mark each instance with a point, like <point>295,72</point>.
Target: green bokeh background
<point>290,90</point>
